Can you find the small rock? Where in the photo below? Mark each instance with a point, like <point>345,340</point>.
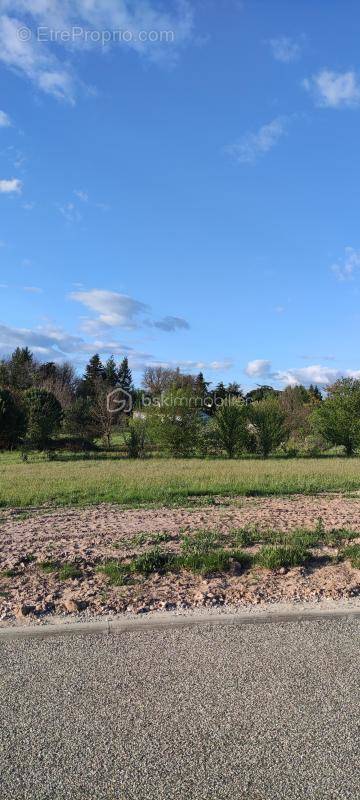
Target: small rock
<point>24,609</point>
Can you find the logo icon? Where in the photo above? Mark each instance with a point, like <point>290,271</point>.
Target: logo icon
<point>119,401</point>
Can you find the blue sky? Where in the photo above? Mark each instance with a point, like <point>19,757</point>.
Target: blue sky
<point>186,193</point>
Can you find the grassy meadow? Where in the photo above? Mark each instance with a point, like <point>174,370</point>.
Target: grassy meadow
<point>82,481</point>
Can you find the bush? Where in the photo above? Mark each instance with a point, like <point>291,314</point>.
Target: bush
<point>43,416</point>
<point>137,438</point>
<point>268,421</point>
<point>231,426</point>
<point>174,424</point>
<point>12,420</point>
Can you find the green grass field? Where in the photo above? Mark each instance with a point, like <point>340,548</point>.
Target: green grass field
<point>167,481</point>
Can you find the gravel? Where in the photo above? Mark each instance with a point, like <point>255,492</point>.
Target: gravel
<point>262,712</point>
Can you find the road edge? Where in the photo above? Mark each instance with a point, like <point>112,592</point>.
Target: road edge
<point>163,621</point>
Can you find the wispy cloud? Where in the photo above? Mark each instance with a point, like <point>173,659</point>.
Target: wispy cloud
<point>11,186</point>
<point>344,270</point>
<point>334,89</point>
<point>171,324</point>
<point>70,212</point>
<point>49,66</point>
<point>32,289</point>
<point>83,196</point>
<point>113,309</point>
<point>116,310</point>
<point>285,49</point>
<point>5,121</point>
<point>192,366</point>
<point>33,60</point>
<point>52,343</point>
<point>248,149</point>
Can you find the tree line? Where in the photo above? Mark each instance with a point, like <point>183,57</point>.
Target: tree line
<point>47,406</point>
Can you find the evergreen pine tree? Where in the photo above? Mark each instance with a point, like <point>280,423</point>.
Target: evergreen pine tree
<point>94,374</point>
<point>124,376</point>
<point>201,385</point>
<point>111,372</point>
<point>21,368</point>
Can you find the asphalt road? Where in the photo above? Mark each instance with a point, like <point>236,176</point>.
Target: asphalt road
<point>262,712</point>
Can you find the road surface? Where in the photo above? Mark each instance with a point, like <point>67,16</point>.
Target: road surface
<point>253,712</point>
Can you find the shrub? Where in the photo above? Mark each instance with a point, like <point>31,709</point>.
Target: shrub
<point>137,438</point>
<point>174,424</point>
<point>231,426</point>
<point>268,421</point>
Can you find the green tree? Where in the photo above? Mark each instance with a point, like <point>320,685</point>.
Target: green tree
<point>43,415</point>
<point>296,405</point>
<point>79,420</point>
<point>124,376</point>
<point>268,421</point>
<point>21,367</point>
<point>231,426</point>
<point>260,393</point>
<point>93,376</point>
<point>110,372</point>
<point>315,395</point>
<point>174,423</point>
<point>337,417</point>
<point>12,420</point>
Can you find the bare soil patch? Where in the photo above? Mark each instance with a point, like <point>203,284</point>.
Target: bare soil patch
<point>85,538</point>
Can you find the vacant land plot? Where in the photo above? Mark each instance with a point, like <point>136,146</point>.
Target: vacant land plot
<point>107,559</point>
<point>168,481</point>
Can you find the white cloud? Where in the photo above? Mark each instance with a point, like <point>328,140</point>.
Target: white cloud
<point>14,185</point>
<point>113,309</point>
<point>52,343</point>
<point>191,366</point>
<point>5,121</point>
<point>52,73</point>
<point>83,196</point>
<point>70,212</point>
<point>33,59</point>
<point>171,324</point>
<point>334,89</point>
<point>315,374</point>
<point>32,289</point>
<point>344,270</point>
<point>247,149</point>
<point>285,49</point>
<point>258,368</point>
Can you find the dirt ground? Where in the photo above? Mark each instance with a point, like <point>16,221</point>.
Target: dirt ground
<point>88,536</point>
